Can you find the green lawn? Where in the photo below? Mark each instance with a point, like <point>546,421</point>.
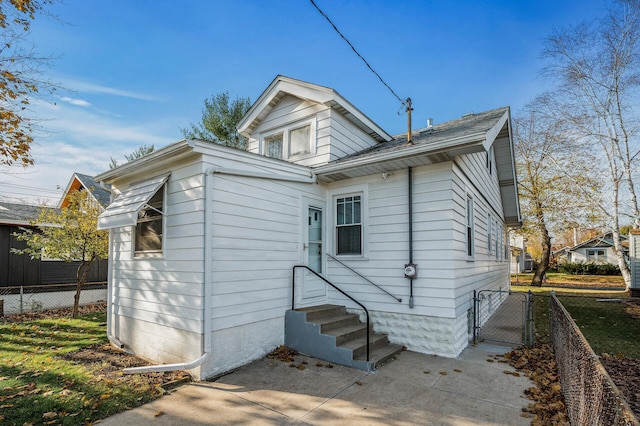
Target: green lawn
<point>557,278</point>
<point>606,325</point>
<point>38,385</point>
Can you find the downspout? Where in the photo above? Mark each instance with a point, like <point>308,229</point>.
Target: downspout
<point>208,292</point>
<point>410,189</point>
<point>113,339</point>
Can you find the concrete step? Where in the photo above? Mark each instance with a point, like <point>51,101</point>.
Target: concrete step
<point>315,313</point>
<point>340,337</point>
<point>347,332</point>
<point>381,355</point>
<point>332,323</point>
<point>359,345</point>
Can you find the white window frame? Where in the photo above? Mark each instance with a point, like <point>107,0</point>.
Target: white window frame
<point>332,234</point>
<point>490,157</point>
<point>490,234</point>
<point>286,132</point>
<point>134,234</point>
<point>469,227</point>
<point>595,257</point>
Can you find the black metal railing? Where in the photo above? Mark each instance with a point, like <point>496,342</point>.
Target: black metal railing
<point>293,296</point>
<point>365,278</point>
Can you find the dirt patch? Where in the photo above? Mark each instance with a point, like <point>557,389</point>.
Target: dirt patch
<point>625,373</point>
<point>107,362</point>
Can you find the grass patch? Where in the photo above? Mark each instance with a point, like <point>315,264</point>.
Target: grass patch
<point>39,384</point>
<point>558,279</point>
<point>606,325</point>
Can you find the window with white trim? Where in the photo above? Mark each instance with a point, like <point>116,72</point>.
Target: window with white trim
<point>489,234</point>
<point>498,242</point>
<point>349,225</point>
<point>291,142</point>
<point>149,226</point>
<point>469,227</point>
<point>596,255</point>
<point>489,158</point>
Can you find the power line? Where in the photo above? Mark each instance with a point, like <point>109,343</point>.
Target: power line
<point>29,188</point>
<point>359,55</point>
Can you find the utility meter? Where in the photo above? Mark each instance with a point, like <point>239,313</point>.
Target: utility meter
<point>410,270</point>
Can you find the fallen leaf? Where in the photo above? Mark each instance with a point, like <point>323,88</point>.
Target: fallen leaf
<point>443,373</point>
<point>50,415</point>
<point>426,371</point>
<point>457,370</point>
<point>158,413</point>
<point>359,383</point>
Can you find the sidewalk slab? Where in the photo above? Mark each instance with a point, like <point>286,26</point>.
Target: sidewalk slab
<point>472,389</point>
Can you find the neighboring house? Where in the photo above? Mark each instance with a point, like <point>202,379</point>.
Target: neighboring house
<point>598,250</point>
<point>561,255</point>
<point>16,269</point>
<point>204,238</point>
<point>521,260</point>
<point>99,195</point>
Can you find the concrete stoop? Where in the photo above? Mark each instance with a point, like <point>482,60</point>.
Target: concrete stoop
<point>329,333</point>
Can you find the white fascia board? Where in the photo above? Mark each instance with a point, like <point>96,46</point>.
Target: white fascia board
<point>169,152</point>
<point>493,132</point>
<point>476,139</point>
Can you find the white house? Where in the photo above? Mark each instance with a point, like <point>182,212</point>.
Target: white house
<point>204,238</point>
<point>597,250</point>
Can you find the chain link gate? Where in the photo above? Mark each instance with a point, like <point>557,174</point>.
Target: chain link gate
<point>503,316</point>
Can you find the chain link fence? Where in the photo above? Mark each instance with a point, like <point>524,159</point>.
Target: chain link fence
<point>591,396</point>
<point>502,316</point>
<point>21,299</point>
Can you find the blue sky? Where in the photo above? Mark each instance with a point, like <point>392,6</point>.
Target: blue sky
<point>138,72</point>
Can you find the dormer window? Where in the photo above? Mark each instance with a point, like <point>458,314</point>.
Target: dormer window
<point>273,146</point>
<point>289,143</point>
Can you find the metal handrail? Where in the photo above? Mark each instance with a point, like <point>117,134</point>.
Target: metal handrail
<point>364,278</point>
<point>293,297</point>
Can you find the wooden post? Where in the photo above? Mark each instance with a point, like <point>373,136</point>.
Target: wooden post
<point>1,307</point>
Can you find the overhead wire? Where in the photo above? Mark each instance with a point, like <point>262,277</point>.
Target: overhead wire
<point>359,55</point>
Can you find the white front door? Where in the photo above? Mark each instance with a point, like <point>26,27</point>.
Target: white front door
<point>313,248</point>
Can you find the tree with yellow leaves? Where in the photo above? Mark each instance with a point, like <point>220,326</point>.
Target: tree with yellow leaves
<point>69,234</point>
<point>20,79</point>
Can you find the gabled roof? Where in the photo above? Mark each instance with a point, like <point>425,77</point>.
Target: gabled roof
<point>282,86</point>
<point>79,181</point>
<point>19,214</point>
<point>602,240</point>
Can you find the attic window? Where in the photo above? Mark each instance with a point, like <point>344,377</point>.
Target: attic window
<point>290,142</point>
<point>273,146</point>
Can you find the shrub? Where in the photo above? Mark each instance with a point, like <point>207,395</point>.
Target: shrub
<point>582,268</point>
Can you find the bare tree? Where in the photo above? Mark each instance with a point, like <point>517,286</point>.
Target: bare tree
<point>548,193</point>
<point>597,70</point>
